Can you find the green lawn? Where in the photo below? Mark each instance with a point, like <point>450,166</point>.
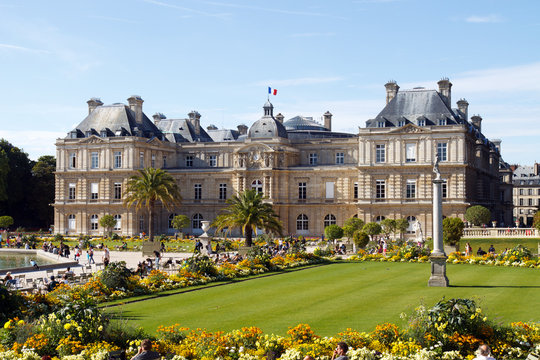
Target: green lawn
<point>501,244</point>
<point>334,297</point>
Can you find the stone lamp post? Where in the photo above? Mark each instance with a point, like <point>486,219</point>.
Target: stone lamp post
<point>206,239</point>
<point>437,257</point>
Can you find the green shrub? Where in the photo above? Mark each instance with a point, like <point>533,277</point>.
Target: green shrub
<point>452,230</point>
<point>116,276</point>
<point>201,264</point>
<point>478,215</point>
<point>58,237</point>
<point>333,232</point>
<point>10,304</point>
<point>360,238</point>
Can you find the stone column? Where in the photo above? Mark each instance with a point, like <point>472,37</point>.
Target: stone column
<point>438,257</point>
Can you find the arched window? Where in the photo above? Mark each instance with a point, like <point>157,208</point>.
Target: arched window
<point>379,218</point>
<point>93,222</point>
<point>141,223</point>
<point>118,219</point>
<point>171,218</point>
<point>329,220</point>
<point>257,185</point>
<point>411,220</point>
<point>196,221</point>
<point>302,222</point>
<point>72,224</point>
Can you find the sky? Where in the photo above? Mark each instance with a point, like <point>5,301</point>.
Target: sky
<point>220,56</point>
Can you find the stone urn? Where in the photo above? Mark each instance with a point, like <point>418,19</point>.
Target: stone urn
<point>205,226</point>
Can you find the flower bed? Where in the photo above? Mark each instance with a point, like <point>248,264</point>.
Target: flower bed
<point>450,330</point>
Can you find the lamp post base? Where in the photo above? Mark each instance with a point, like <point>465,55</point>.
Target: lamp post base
<point>438,271</point>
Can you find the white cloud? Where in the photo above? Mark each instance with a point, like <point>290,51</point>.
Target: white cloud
<point>492,18</point>
<point>22,48</point>
<point>298,81</point>
<point>34,142</point>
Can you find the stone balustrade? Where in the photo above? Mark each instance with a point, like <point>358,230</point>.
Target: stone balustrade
<point>500,232</point>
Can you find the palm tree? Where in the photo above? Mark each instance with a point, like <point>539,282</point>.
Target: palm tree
<point>148,188</point>
<point>248,212</point>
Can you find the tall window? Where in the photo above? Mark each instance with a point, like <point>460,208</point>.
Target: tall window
<point>401,123</point>
<point>380,189</point>
<point>141,223</point>
<point>170,221</point>
<point>302,190</point>
<point>153,161</point>
<point>117,191</point>
<point>313,158</point>
<point>329,220</point>
<point>141,160</point>
<point>189,161</point>
<point>222,191</point>
<point>340,158</point>
<point>380,153</point>
<point>531,192</point>
<point>212,160</point>
<point>198,191</point>
<point>380,124</point>
<point>410,152</point>
<point>329,189</point>
<point>164,161</point>
<point>441,121</point>
<point>71,222</point>
<point>94,191</point>
<point>444,190</point>
<point>355,190</point>
<point>379,218</point>
<point>196,221</point>
<point>117,159</point>
<point>520,202</point>
<point>72,160</point>
<point>521,191</point>
<point>118,219</point>
<point>530,202</point>
<point>257,185</point>
<point>302,222</point>
<point>421,122</point>
<point>71,191</point>
<point>411,189</point>
<point>442,151</point>
<point>93,222</point>
<point>94,160</point>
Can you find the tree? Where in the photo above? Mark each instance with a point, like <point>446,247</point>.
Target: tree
<point>351,226</point>
<point>388,226</point>
<point>6,221</point>
<point>372,229</point>
<point>108,222</point>
<point>360,238</point>
<point>333,232</point>
<point>401,227</point>
<point>179,222</point>
<point>536,220</point>
<point>43,190</point>
<point>478,215</point>
<point>452,230</point>
<point>248,211</point>
<point>150,187</point>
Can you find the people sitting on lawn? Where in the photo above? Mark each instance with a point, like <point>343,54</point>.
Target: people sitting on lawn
<point>145,352</point>
<point>491,250</point>
<point>480,252</point>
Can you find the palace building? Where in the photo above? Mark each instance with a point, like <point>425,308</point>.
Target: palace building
<point>312,175</point>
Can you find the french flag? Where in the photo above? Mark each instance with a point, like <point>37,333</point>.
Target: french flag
<point>272,91</point>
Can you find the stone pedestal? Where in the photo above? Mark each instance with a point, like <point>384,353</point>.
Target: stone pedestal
<point>438,271</point>
<point>205,239</point>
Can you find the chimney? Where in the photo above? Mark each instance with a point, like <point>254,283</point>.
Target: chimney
<point>328,120</point>
<point>463,106</point>
<point>477,122</point>
<point>211,127</point>
<point>158,117</point>
<point>445,89</point>
<point>497,143</point>
<point>391,90</point>
<point>242,129</point>
<point>536,168</point>
<point>195,120</point>
<point>280,117</point>
<point>135,104</point>
<point>93,103</point>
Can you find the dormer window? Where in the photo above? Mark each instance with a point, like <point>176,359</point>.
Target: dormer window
<point>421,122</point>
<point>380,124</point>
<point>73,134</point>
<point>118,133</point>
<point>103,133</point>
<point>401,123</point>
<point>441,121</point>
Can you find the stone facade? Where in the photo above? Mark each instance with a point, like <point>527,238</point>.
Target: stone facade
<point>526,194</point>
<point>313,176</point>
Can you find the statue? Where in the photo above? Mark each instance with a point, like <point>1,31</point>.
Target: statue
<point>417,227</point>
<point>436,168</point>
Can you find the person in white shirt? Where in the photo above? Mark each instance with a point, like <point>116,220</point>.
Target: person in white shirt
<point>484,353</point>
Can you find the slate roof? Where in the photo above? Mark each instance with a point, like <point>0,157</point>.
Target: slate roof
<point>115,120</point>
<point>221,135</point>
<point>181,130</point>
<point>303,123</point>
<point>267,127</point>
<point>411,105</point>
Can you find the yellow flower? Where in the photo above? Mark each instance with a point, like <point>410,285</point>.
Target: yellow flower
<point>67,326</point>
<point>100,328</point>
<point>485,318</point>
<point>68,316</point>
<point>7,325</point>
<point>472,316</point>
<point>20,323</point>
<point>79,328</point>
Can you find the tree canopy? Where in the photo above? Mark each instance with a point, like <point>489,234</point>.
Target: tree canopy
<point>179,222</point>
<point>150,187</point>
<point>333,232</point>
<point>371,229</point>
<point>452,230</point>
<point>351,226</point>
<point>478,215</point>
<point>248,211</point>
<point>107,222</point>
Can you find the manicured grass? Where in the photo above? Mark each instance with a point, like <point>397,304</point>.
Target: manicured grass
<point>334,297</point>
<point>501,244</point>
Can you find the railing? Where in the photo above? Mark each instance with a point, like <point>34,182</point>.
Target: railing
<point>500,232</point>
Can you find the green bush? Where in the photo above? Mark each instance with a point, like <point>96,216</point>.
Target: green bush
<point>10,304</point>
<point>360,238</point>
<point>116,276</point>
<point>58,237</point>
<point>333,232</point>
<point>478,215</point>
<point>452,230</point>
<point>201,264</point>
